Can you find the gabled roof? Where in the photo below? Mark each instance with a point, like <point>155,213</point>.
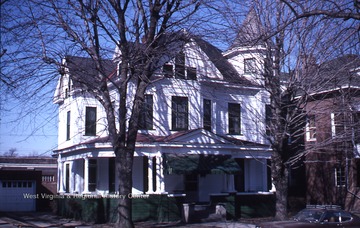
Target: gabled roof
<point>251,31</point>
<point>338,73</point>
<point>222,64</point>
<point>84,73</point>
<point>83,70</point>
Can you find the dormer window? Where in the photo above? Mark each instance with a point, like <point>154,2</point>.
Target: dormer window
<point>168,70</point>
<point>191,73</point>
<point>180,66</point>
<point>179,69</point>
<point>250,65</point>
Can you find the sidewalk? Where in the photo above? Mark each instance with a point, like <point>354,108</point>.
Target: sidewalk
<point>43,219</point>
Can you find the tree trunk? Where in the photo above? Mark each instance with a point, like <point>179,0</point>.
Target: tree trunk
<point>124,161</point>
<point>280,178</point>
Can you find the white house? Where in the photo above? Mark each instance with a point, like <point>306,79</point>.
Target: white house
<point>204,132</point>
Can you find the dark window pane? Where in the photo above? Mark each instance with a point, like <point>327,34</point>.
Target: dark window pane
<point>68,125</point>
<point>250,65</point>
<point>234,118</point>
<point>191,73</point>
<point>207,114</point>
<point>180,66</point>
<point>180,113</point>
<point>268,118</point>
<point>168,70</point>
<point>146,114</point>
<point>90,121</point>
<point>92,175</point>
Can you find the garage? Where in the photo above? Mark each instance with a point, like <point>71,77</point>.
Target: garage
<point>18,195</point>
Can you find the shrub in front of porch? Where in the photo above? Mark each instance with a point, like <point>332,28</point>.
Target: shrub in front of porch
<point>160,208</point>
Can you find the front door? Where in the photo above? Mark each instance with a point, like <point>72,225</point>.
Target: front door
<point>191,182</point>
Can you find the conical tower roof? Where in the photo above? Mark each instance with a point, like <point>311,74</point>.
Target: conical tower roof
<point>251,31</point>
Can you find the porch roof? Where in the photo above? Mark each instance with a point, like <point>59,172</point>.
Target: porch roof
<point>200,164</point>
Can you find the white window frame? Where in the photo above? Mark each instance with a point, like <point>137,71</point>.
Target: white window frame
<point>334,124</point>
<point>340,177</point>
<point>310,129</point>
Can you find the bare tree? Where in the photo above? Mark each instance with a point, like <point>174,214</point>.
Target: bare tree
<point>298,37</point>
<point>145,33</point>
<point>11,153</point>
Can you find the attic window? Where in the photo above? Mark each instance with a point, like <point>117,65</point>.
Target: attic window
<point>181,70</point>
<point>168,70</point>
<point>191,73</point>
<point>250,65</point>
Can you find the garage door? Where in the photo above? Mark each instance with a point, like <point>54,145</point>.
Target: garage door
<point>17,195</point>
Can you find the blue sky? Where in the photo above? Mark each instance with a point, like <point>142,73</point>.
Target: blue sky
<point>30,132</point>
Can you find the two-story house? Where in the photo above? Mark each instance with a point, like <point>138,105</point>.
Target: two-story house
<point>202,131</point>
<point>332,133</point>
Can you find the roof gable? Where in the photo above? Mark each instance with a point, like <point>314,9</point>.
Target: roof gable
<point>228,71</point>
<point>337,73</point>
<point>196,136</point>
<point>251,31</point>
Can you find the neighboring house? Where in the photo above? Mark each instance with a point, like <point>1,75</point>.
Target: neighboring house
<point>202,134</point>
<point>27,183</point>
<point>332,137</point>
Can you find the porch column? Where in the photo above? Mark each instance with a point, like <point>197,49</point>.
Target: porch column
<point>150,175</point>
<point>61,176</point>
<point>160,186</point>
<point>86,176</point>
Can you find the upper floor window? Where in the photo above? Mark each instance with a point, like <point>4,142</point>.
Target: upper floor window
<point>250,65</point>
<point>179,113</point>
<point>68,125</point>
<point>181,70</point>
<point>340,177</point>
<point>310,128</point>
<point>356,126</point>
<point>90,121</point>
<point>337,124</point>
<point>207,114</point>
<point>168,70</point>
<point>180,66</point>
<point>191,73</point>
<point>146,114</point>
<point>268,117</point>
<point>234,111</point>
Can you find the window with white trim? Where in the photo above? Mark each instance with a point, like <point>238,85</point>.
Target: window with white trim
<point>337,124</point>
<point>310,128</point>
<point>234,115</point>
<point>180,113</point>
<point>90,121</point>
<point>340,177</point>
<point>250,65</point>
